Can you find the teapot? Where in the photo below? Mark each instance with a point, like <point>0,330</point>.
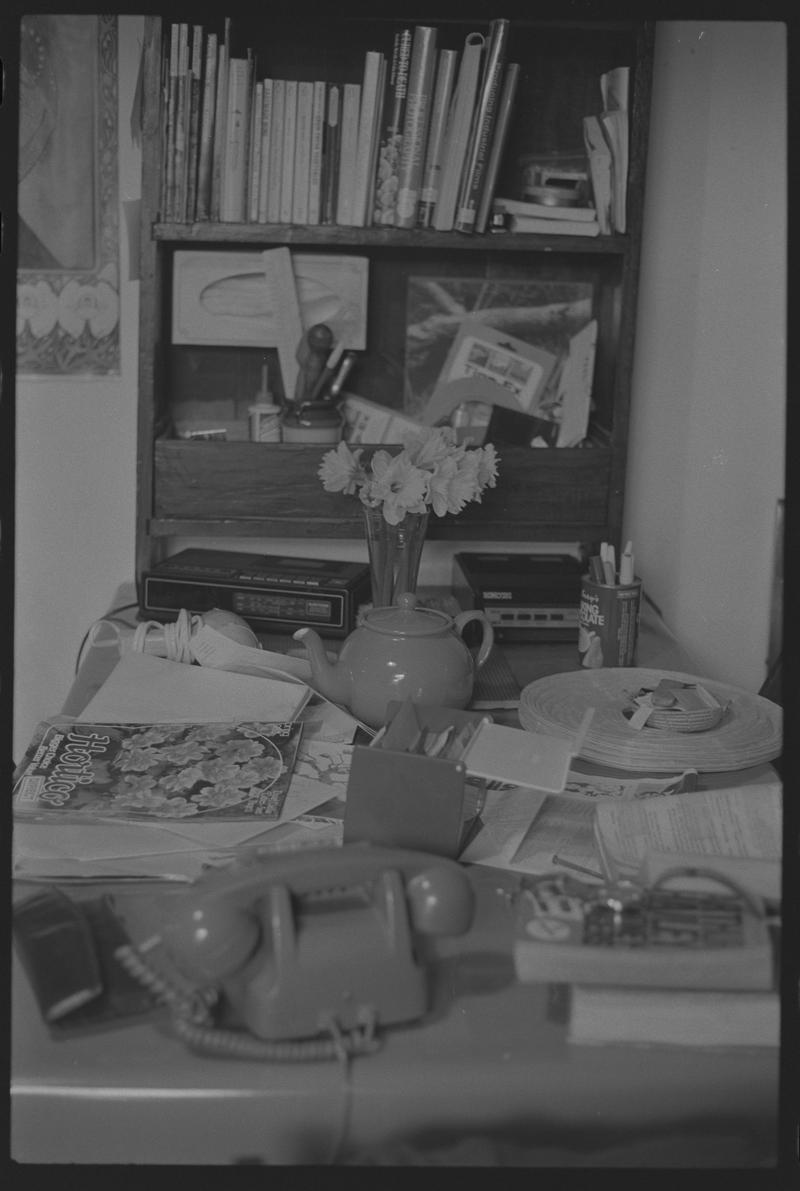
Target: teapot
<point>399,652</point>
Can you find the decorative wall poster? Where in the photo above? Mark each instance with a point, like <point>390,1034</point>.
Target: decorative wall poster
<point>544,314</point>
<point>68,197</point>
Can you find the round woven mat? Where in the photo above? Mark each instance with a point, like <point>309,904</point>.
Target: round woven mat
<point>749,733</point>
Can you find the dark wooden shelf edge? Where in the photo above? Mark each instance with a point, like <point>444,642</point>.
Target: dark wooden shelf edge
<point>333,236</point>
<point>252,527</point>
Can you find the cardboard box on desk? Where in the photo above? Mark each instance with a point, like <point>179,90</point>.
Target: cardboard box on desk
<point>409,799</point>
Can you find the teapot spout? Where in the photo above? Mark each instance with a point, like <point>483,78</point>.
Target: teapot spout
<point>329,678</point>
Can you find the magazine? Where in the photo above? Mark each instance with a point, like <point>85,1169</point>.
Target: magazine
<point>187,772</point>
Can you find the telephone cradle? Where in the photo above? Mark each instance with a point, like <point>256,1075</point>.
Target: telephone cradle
<point>310,952</point>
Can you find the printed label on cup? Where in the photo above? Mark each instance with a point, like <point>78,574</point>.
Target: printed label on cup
<point>608,623</point>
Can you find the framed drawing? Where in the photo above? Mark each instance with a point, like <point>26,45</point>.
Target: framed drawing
<point>68,197</point>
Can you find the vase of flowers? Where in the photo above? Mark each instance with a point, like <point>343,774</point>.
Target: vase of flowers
<point>431,474</point>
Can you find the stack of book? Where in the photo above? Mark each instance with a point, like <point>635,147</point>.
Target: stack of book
<point>415,141</point>
<point>546,220</point>
<point>676,948</point>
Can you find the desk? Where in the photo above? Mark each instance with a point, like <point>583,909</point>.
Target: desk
<point>487,1069</point>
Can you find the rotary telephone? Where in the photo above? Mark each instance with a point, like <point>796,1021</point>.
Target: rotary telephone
<point>311,951</point>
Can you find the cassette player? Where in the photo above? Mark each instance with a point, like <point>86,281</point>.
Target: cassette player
<point>532,597</point>
<point>272,593</point>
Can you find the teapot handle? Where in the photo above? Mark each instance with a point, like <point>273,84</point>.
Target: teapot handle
<point>487,640</point>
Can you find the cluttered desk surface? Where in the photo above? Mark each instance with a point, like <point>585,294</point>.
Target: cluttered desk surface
<point>511,1056</point>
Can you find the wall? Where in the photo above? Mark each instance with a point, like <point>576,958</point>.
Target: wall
<point>707,450</point>
<point>706,461</point>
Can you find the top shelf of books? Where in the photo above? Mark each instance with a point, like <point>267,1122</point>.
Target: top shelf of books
<point>390,133</point>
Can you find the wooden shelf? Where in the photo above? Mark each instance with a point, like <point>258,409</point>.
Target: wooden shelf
<point>336,238</point>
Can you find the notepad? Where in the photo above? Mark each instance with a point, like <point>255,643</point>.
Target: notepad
<point>143,688</point>
<point>522,758</point>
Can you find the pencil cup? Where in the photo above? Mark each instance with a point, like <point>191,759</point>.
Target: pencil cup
<point>608,623</point>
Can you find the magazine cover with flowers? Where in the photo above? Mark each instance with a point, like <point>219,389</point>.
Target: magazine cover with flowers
<point>196,772</point>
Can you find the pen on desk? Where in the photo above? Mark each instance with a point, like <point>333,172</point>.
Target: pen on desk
<point>626,571</point>
<point>607,560</point>
<point>345,368</point>
<point>328,372</point>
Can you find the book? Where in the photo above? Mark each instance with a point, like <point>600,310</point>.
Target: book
<point>530,209</point>
<point>178,202</point>
<point>275,167</point>
<point>482,129</point>
<point>302,152</point>
<point>614,86</point>
<point>234,182</point>
<point>458,128</point>
<point>391,138</point>
<point>373,155</point>
<point>599,155</point>
<point>203,201</point>
<point>331,150</point>
<point>735,831</point>
<point>266,148</point>
<point>674,1017</point>
<point>193,144</point>
<point>367,130</point>
<point>505,109</point>
<point>553,227</point>
<point>565,932</point>
<point>434,154</point>
<point>315,163</point>
<point>171,109</point>
<point>351,106</point>
<point>289,145</point>
<point>220,123</point>
<point>197,772</point>
<point>254,157</point>
<point>415,124</point>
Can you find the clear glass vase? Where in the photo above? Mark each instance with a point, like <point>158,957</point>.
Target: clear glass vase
<point>394,554</point>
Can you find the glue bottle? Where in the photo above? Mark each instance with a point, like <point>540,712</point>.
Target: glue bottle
<point>265,415</point>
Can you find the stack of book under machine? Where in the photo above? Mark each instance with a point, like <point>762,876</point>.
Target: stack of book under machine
<point>415,141</point>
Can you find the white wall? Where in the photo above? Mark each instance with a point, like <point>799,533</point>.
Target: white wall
<point>706,459</point>
<point>76,482</point>
<point>707,433</point>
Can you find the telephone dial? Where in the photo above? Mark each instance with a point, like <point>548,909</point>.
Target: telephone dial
<point>314,943</point>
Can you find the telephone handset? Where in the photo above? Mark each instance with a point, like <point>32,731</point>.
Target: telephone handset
<point>319,939</point>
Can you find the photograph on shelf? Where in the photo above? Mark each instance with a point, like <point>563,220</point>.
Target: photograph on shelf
<point>544,315</point>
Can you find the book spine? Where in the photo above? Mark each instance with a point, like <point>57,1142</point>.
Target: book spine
<point>553,227</point>
<point>366,125</point>
<point>331,151</point>
<point>458,126</point>
<point>221,124</point>
<point>233,196</point>
<point>172,104</point>
<point>391,140</point>
<point>442,96</point>
<point>254,157</point>
<point>351,103</point>
<point>483,128</point>
<point>315,163</point>
<point>376,128</point>
<point>276,152</point>
<point>266,146</point>
<point>289,141</point>
<point>203,203</point>
<point>181,126</point>
<point>415,125</point>
<point>302,153</point>
<point>499,141</point>
<point>193,148</point>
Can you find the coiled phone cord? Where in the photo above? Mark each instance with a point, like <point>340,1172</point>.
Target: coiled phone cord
<point>177,636</point>
<point>191,1019</point>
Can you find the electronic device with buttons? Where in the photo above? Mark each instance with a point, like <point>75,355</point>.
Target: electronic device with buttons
<point>271,592</point>
<point>525,596</point>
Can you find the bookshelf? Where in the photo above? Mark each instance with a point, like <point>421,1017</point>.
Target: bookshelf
<point>241,489</point>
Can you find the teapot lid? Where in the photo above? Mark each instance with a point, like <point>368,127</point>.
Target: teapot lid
<point>406,618</point>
